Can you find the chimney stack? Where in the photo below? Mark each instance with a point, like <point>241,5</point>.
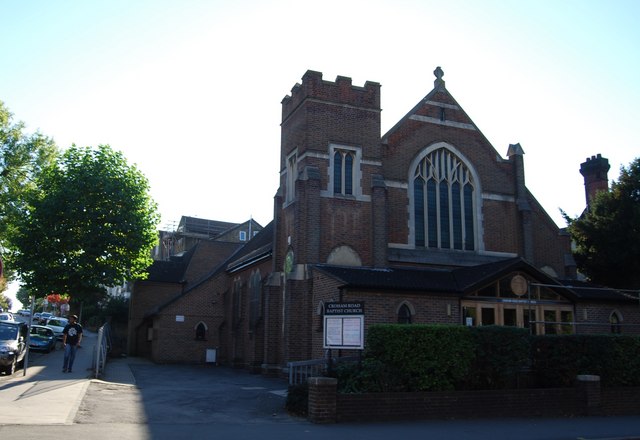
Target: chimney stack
<point>594,170</point>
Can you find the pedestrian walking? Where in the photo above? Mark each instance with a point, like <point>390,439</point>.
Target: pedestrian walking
<point>71,338</point>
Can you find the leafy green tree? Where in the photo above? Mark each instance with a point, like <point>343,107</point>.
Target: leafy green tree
<point>5,303</point>
<point>24,296</point>
<point>89,223</point>
<point>22,158</point>
<point>607,235</point>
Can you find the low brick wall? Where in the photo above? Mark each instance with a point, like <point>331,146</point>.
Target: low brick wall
<point>586,398</point>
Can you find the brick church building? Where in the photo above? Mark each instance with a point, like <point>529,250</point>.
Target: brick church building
<point>427,223</point>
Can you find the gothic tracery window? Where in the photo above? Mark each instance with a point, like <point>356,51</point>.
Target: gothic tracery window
<point>444,192</point>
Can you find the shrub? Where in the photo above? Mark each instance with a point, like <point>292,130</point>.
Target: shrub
<point>501,355</point>
<point>557,360</point>
<point>420,357</point>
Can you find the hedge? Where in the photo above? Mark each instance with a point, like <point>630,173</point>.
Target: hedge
<point>447,357</point>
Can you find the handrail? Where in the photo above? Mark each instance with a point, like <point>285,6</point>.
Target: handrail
<point>300,371</point>
<point>103,346</point>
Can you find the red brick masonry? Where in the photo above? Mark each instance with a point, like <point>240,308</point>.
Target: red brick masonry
<point>586,398</point>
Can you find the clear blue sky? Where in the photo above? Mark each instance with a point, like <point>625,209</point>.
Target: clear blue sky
<point>190,90</point>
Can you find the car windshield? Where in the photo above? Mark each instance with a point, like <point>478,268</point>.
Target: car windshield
<point>57,322</point>
<point>40,331</point>
<point>8,332</point>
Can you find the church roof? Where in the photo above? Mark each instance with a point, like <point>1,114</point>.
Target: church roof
<point>461,280</point>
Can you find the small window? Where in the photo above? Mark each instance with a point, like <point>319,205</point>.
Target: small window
<point>404,314</point>
<point>243,236</point>
<point>615,322</point>
<point>201,331</point>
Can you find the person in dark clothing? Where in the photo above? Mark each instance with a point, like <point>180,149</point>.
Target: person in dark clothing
<point>71,338</point>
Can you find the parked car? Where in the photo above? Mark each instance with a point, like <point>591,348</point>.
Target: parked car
<point>57,325</point>
<point>42,319</point>
<point>6,317</point>
<point>13,345</point>
<point>42,338</point>
<point>36,317</point>
<point>24,312</point>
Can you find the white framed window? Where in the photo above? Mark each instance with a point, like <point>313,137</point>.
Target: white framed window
<point>292,176</point>
<point>344,170</point>
<point>243,235</point>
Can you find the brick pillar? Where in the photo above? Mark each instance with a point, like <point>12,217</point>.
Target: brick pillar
<point>322,399</point>
<point>379,221</point>
<point>589,385</point>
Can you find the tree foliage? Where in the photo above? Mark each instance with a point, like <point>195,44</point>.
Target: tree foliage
<point>22,158</point>
<point>607,235</point>
<point>89,223</point>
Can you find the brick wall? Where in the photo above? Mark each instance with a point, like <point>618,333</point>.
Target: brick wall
<point>586,398</point>
<point>598,314</point>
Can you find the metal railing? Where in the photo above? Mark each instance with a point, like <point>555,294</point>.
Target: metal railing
<point>103,346</point>
<point>300,371</point>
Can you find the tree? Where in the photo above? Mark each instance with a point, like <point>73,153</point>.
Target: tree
<point>89,223</point>
<point>607,235</point>
<point>5,302</point>
<point>22,158</point>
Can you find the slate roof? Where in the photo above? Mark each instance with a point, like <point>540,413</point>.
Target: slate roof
<point>195,225</point>
<point>259,246</point>
<point>171,271</point>
<point>461,280</point>
<point>254,248</point>
<point>588,291</point>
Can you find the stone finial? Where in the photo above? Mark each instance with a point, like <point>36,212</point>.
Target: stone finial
<point>515,149</point>
<point>439,82</point>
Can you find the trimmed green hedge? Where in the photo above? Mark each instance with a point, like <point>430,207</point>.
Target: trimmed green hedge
<point>502,355</point>
<point>415,357</point>
<point>447,357</point>
<point>557,360</point>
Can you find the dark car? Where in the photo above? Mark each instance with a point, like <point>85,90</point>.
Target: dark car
<point>13,345</point>
<point>42,338</point>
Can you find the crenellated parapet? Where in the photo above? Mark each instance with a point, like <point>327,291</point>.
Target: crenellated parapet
<point>342,91</point>
<point>595,172</point>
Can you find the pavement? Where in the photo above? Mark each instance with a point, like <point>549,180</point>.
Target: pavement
<point>41,394</point>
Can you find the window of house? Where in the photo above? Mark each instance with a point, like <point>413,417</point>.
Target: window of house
<point>404,314</point>
<point>292,176</point>
<point>444,206</point>
<point>243,236</point>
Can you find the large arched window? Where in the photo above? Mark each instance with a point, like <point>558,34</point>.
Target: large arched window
<point>444,202</point>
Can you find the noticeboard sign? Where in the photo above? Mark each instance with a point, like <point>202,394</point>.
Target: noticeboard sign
<point>344,325</point>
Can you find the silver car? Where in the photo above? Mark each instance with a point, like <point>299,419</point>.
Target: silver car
<point>13,345</point>
<point>57,325</point>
